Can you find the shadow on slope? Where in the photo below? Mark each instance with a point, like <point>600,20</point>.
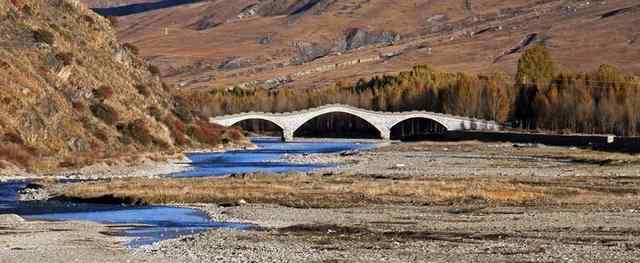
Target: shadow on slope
<point>132,9</point>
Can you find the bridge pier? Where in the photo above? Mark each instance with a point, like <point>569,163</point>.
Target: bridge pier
<point>287,135</point>
<point>385,134</point>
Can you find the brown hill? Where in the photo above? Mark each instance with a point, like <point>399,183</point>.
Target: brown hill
<point>307,43</point>
<point>71,93</point>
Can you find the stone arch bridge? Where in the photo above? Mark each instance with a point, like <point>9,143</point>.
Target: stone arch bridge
<point>289,122</point>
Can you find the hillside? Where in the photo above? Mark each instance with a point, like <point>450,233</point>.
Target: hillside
<point>310,43</point>
<point>71,94</point>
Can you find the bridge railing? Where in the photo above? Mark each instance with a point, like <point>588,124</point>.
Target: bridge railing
<point>327,106</point>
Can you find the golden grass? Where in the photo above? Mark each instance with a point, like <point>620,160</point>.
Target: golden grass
<point>346,191</point>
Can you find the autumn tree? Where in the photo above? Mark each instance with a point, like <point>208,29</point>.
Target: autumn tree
<point>535,67</point>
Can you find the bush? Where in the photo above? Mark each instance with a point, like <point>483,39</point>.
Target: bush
<point>155,70</point>
<point>138,131</point>
<point>206,133</point>
<point>143,90</point>
<point>177,129</point>
<point>166,87</point>
<point>103,92</point>
<point>105,112</point>
<point>12,138</point>
<point>181,109</point>
<point>16,3</point>
<point>4,65</point>
<point>27,10</point>
<point>113,21</point>
<point>65,57</point>
<point>89,19</point>
<point>16,154</point>
<point>44,36</point>
<point>235,134</point>
<point>101,135</point>
<point>132,48</point>
<point>79,106</point>
<point>155,112</point>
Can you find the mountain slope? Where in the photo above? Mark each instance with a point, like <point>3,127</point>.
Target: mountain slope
<point>263,43</point>
<point>71,93</point>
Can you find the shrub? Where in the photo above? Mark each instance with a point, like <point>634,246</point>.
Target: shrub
<point>44,36</point>
<point>206,133</point>
<point>138,131</point>
<point>113,21</point>
<point>181,109</point>
<point>177,129</point>
<point>101,135</point>
<point>105,112</point>
<point>4,65</point>
<point>155,112</point>
<point>65,57</point>
<point>235,134</point>
<point>132,48</point>
<point>166,87</point>
<point>79,106</point>
<point>27,10</point>
<point>16,3</point>
<point>89,19</point>
<point>16,154</point>
<point>143,90</point>
<point>12,138</point>
<point>155,70</point>
<point>103,92</point>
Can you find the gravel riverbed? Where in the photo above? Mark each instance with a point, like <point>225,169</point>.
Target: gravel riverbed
<point>585,229</point>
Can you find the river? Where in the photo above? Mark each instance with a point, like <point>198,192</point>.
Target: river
<point>154,223</point>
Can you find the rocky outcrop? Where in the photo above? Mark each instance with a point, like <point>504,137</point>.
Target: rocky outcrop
<point>71,94</point>
<point>306,52</point>
<point>235,63</point>
<point>356,38</point>
<point>524,43</point>
<point>291,7</point>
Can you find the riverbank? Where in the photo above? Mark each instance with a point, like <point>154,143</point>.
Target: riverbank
<point>62,241</point>
<point>140,165</point>
<point>408,202</point>
<point>413,202</point>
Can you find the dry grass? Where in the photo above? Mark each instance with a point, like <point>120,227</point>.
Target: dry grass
<point>348,190</point>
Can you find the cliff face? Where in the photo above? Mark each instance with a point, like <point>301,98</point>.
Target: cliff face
<point>69,89</point>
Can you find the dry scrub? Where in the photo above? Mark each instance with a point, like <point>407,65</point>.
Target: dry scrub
<point>349,190</point>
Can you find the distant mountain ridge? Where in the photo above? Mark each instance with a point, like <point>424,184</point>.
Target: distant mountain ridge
<point>293,43</point>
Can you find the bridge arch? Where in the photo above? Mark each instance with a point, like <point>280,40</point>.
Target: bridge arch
<point>244,123</point>
<point>357,123</point>
<point>416,126</point>
<point>421,116</point>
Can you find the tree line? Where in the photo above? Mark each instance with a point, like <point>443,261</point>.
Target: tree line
<point>540,97</point>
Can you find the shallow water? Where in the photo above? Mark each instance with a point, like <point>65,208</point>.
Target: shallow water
<point>265,158</point>
<point>163,222</point>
